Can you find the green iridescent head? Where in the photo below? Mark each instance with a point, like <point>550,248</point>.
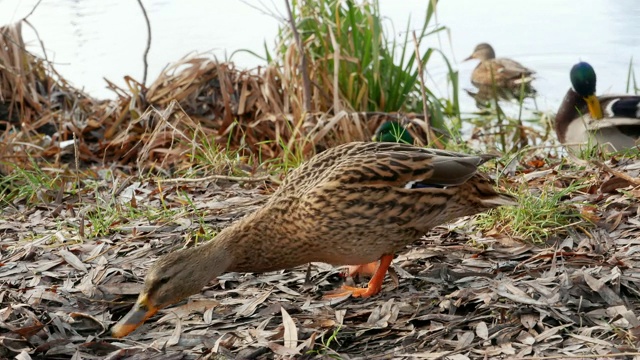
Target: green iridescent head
<point>583,79</point>
<point>392,131</point>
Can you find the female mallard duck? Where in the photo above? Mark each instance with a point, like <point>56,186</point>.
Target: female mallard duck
<point>502,72</point>
<point>352,204</point>
<point>583,117</point>
<point>389,131</point>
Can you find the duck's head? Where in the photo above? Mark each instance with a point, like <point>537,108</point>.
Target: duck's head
<point>172,278</point>
<point>482,52</point>
<point>393,131</point>
<point>583,81</point>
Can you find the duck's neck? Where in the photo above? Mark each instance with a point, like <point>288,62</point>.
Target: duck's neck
<point>220,249</point>
<point>568,112</point>
<point>241,245</point>
<point>259,243</point>
<point>210,260</point>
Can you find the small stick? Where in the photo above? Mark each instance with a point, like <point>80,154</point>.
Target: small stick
<point>217,177</point>
<point>620,174</point>
<point>146,50</point>
<point>431,136</point>
<point>306,84</point>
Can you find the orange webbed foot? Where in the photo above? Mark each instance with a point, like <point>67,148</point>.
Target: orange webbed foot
<point>375,284</point>
<point>353,291</point>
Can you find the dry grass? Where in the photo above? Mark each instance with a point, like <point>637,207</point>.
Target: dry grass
<point>256,112</point>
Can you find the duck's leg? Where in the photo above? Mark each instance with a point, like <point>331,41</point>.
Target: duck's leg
<point>375,284</point>
<point>363,270</point>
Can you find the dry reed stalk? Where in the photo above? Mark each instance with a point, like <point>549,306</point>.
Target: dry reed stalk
<point>194,100</point>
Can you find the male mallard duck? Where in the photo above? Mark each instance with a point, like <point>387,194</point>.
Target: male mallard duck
<point>351,204</point>
<point>502,72</point>
<point>393,131</point>
<point>408,131</point>
<point>611,119</point>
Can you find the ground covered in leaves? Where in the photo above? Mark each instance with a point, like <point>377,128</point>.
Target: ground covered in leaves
<point>458,293</point>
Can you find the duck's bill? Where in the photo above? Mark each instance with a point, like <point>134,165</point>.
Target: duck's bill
<point>134,318</point>
<point>594,107</point>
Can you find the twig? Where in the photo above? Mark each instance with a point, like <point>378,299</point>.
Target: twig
<point>336,73</point>
<point>76,155</point>
<point>32,10</point>
<point>217,177</point>
<point>494,88</point>
<point>146,50</point>
<point>522,141</point>
<point>306,84</point>
<point>586,356</point>
<point>274,13</point>
<point>620,174</point>
<point>431,137</point>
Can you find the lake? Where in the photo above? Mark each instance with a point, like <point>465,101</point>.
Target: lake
<point>89,40</point>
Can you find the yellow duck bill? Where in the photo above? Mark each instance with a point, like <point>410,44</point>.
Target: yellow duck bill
<point>134,318</point>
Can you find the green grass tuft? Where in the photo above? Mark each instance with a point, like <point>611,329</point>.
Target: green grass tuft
<point>538,215</point>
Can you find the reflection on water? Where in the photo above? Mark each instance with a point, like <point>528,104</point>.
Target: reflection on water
<point>94,39</point>
<point>484,95</point>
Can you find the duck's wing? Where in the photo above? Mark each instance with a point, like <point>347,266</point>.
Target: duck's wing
<point>614,122</point>
<point>402,177</point>
<point>620,106</point>
<point>403,165</point>
<point>621,112</point>
<point>511,69</point>
<point>622,133</point>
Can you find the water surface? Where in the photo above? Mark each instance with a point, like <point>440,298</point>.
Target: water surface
<point>94,39</point>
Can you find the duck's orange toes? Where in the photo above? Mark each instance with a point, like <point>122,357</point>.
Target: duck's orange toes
<point>375,284</point>
<point>354,291</point>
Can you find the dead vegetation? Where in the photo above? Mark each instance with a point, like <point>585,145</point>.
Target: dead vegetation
<point>78,233</point>
<point>198,99</point>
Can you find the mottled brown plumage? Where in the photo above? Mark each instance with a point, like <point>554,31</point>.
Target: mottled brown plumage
<point>352,204</point>
<point>502,72</point>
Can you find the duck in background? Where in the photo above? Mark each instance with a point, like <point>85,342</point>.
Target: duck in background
<point>351,204</point>
<point>502,72</point>
<point>409,129</point>
<point>499,77</point>
<point>584,118</point>
<point>393,131</point>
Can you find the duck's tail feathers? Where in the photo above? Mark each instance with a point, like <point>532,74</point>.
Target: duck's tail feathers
<point>500,199</point>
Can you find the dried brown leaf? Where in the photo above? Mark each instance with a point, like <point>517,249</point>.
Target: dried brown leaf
<point>290,330</point>
<point>175,336</point>
<point>482,331</point>
<point>603,290</point>
<point>72,260</point>
<point>250,306</point>
<point>465,339</point>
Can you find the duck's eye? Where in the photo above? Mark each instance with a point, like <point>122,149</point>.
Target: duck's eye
<point>164,280</point>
